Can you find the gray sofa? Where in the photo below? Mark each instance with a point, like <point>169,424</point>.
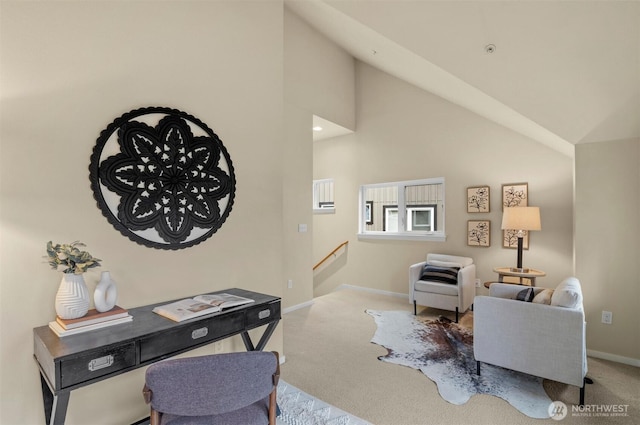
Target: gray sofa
<point>545,338</point>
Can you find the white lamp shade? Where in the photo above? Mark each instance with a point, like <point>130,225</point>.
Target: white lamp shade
<point>521,218</point>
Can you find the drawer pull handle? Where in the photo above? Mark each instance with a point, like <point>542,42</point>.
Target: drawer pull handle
<point>100,363</point>
<point>199,333</point>
<point>264,314</point>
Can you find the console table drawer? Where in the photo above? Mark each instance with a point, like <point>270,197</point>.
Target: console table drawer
<point>184,337</point>
<point>261,315</point>
<point>97,363</point>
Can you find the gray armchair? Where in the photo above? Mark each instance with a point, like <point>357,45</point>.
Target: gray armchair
<point>449,286</point>
<point>221,389</point>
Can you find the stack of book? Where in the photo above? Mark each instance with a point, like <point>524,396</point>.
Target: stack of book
<point>91,321</point>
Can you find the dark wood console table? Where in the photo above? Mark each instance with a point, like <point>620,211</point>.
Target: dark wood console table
<point>79,360</point>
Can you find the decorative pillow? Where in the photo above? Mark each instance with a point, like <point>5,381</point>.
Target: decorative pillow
<point>543,297</point>
<point>440,274</point>
<point>567,294</point>
<point>438,263</point>
<point>525,295</point>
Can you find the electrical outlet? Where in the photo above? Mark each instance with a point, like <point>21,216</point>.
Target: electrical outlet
<point>290,283</point>
<point>478,283</point>
<point>218,347</point>
<point>607,317</point>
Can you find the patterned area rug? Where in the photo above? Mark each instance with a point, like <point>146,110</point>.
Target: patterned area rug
<point>444,352</point>
<point>299,408</point>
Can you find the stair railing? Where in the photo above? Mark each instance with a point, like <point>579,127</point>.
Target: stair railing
<point>332,253</point>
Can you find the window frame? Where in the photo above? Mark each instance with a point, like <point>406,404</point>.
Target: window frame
<point>323,207</point>
<point>433,208</point>
<point>403,209</point>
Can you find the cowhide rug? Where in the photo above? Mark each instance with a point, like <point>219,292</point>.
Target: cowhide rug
<point>443,351</point>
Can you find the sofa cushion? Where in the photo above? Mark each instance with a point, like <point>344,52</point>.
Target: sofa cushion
<point>440,274</point>
<point>436,288</point>
<point>444,264</point>
<point>567,294</point>
<point>543,297</point>
<point>525,295</point>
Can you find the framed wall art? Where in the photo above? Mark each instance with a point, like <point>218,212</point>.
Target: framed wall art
<point>479,233</point>
<point>510,239</point>
<point>515,195</point>
<point>478,199</point>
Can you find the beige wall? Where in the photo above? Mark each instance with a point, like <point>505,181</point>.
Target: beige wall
<point>296,183</point>
<point>607,232</point>
<point>319,80</point>
<point>68,69</point>
<point>405,133</point>
<point>319,75</point>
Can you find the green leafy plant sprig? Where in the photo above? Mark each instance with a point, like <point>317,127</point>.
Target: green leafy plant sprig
<point>68,258</point>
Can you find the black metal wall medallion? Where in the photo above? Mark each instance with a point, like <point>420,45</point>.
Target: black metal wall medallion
<point>162,178</point>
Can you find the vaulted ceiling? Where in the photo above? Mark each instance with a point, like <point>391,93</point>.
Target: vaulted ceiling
<point>561,72</point>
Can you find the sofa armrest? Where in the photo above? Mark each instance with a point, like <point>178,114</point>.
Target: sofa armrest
<point>468,275</point>
<point>415,271</point>
<point>538,339</point>
<point>467,284</point>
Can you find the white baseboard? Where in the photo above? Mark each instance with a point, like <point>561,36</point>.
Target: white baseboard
<point>374,291</point>
<point>614,358</point>
<point>297,307</point>
<point>345,286</point>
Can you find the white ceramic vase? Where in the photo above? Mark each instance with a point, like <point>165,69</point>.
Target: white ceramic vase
<point>72,298</point>
<point>106,293</point>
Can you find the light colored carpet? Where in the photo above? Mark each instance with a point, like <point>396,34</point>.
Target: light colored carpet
<point>329,356</point>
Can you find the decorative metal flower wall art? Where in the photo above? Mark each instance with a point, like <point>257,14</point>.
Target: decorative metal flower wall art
<point>162,178</point>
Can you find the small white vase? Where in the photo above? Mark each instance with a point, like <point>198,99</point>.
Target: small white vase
<point>106,293</point>
<point>72,298</point>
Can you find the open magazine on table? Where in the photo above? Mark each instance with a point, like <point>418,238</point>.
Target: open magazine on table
<point>199,306</point>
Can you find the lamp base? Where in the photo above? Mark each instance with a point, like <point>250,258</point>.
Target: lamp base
<point>519,270</point>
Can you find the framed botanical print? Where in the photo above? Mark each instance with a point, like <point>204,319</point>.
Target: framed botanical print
<point>478,199</point>
<point>479,233</point>
<point>515,195</point>
<point>510,239</point>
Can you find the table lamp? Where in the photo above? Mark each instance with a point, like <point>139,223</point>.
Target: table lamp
<point>521,219</point>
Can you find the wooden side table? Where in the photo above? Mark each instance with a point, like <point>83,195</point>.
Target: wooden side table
<point>532,274</point>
